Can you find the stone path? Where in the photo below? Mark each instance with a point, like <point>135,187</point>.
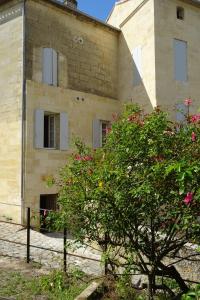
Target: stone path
<point>16,233</point>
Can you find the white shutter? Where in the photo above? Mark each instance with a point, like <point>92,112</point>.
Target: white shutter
<point>64,131</point>
<point>97,134</point>
<point>181,113</point>
<point>47,71</point>
<point>39,128</point>
<point>137,59</point>
<point>180,60</point>
<point>55,67</point>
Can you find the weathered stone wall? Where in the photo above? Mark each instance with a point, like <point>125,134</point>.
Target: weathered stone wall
<point>168,27</point>
<point>137,30</point>
<point>87,85</point>
<point>11,60</point>
<point>88,51</point>
<point>41,163</point>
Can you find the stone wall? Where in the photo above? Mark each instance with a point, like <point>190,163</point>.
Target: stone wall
<point>167,28</point>
<point>88,51</point>
<point>11,59</point>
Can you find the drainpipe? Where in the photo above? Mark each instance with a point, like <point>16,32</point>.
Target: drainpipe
<point>23,117</point>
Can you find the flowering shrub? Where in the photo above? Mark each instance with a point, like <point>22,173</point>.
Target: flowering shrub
<point>139,196</point>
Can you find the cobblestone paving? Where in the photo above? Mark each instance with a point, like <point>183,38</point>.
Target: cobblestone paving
<point>16,233</point>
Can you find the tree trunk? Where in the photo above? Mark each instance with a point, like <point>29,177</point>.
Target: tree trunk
<point>151,287</point>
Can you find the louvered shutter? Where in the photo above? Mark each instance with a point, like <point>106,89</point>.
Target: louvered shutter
<point>47,71</point>
<point>137,60</point>
<point>55,67</point>
<point>180,60</point>
<point>97,143</point>
<point>39,128</point>
<point>181,112</point>
<point>64,131</point>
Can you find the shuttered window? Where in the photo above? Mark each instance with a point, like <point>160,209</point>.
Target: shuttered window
<point>137,61</point>
<point>180,60</point>
<point>51,130</point>
<point>50,66</point>
<point>181,113</point>
<point>64,131</point>
<point>100,129</point>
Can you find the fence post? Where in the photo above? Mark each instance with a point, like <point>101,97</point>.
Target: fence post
<point>65,250</point>
<point>28,235</point>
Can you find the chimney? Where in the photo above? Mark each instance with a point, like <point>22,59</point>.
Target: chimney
<point>71,3</point>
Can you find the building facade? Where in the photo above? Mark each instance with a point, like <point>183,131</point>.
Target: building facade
<point>64,74</point>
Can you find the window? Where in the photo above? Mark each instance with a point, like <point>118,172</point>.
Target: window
<point>50,66</point>
<point>100,130</point>
<point>51,130</point>
<point>137,59</point>
<point>181,113</point>
<point>180,60</point>
<point>180,13</point>
<point>105,126</point>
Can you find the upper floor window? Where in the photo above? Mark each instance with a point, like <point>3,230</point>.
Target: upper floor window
<point>51,130</point>
<point>137,60</point>
<point>180,60</point>
<point>180,13</point>
<point>100,131</point>
<point>49,66</point>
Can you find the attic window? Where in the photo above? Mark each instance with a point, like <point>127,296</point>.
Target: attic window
<point>180,13</point>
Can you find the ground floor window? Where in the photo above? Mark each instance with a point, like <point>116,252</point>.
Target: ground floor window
<point>48,203</point>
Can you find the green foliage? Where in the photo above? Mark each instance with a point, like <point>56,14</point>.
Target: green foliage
<point>194,294</point>
<point>56,285</point>
<point>137,197</point>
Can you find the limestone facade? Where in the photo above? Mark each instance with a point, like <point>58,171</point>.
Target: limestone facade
<point>99,66</point>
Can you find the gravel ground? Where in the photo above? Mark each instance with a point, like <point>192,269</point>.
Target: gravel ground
<point>16,233</point>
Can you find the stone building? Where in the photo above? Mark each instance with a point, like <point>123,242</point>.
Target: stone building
<point>63,74</point>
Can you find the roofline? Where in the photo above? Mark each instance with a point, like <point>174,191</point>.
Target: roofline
<point>75,12</point>
<point>119,2</point>
<point>80,13</point>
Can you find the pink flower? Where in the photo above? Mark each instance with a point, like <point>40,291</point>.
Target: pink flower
<point>188,101</point>
<point>77,157</point>
<point>194,136</point>
<point>87,158</point>
<point>188,198</point>
<point>195,118</point>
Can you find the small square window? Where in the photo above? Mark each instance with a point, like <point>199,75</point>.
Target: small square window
<point>180,13</point>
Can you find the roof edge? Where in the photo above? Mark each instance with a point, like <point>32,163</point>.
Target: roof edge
<point>80,13</point>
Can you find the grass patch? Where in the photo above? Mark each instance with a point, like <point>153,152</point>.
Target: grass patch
<point>56,285</point>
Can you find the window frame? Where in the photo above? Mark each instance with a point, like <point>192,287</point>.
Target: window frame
<point>108,124</point>
<point>50,117</point>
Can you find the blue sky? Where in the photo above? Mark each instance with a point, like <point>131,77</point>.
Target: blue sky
<point>96,8</point>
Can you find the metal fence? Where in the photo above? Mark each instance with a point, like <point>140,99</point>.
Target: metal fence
<point>28,245</point>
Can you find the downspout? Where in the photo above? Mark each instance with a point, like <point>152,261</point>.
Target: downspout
<point>23,117</point>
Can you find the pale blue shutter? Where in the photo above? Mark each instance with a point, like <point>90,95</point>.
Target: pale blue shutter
<point>39,128</point>
<point>180,60</point>
<point>47,69</point>
<point>97,143</point>
<point>64,131</point>
<point>55,67</point>
<point>181,112</point>
<point>137,59</point>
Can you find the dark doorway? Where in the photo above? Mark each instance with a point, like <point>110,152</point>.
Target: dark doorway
<point>47,203</point>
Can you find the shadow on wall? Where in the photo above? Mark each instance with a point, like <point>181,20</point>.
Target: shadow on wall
<point>131,85</point>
